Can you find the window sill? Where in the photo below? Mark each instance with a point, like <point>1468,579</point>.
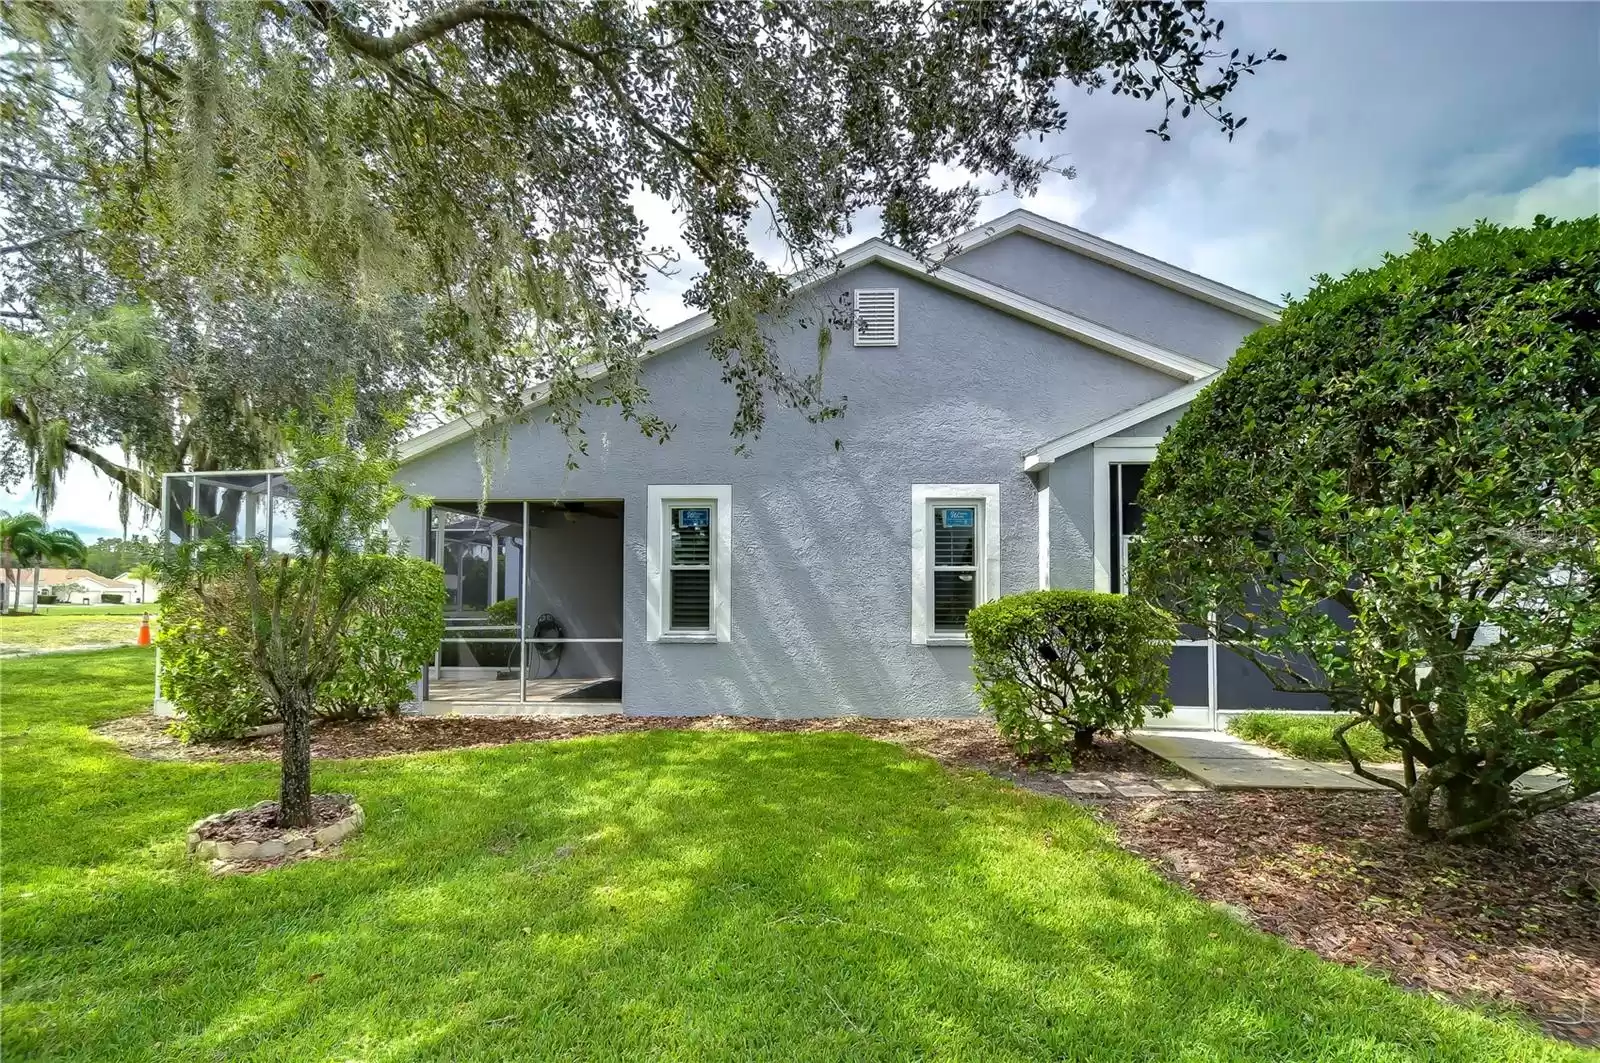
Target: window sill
<point>948,640</point>
<point>706,639</point>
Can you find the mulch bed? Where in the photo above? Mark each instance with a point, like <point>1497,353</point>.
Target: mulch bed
<point>965,743</point>
<point>1515,926</point>
<point>260,822</point>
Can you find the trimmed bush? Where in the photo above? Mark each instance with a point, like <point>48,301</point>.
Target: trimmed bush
<point>1056,667</point>
<point>205,666</point>
<point>111,599</point>
<point>1389,498</point>
<point>502,612</point>
<point>390,637</point>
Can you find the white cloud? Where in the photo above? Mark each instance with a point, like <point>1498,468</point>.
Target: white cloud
<point>86,503</point>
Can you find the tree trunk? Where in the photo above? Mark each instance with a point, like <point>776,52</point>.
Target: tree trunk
<point>294,793</point>
<point>1418,812</point>
<point>1480,803</point>
<point>1083,737</point>
<point>34,609</point>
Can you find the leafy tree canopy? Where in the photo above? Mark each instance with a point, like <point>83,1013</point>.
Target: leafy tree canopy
<point>112,556</point>
<point>475,169</point>
<point>1393,498</point>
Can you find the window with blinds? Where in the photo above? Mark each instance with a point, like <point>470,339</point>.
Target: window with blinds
<point>877,317</point>
<point>689,569</point>
<point>955,567</point>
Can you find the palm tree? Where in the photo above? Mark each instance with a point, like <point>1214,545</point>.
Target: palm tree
<point>21,538</point>
<point>60,547</point>
<point>27,542</point>
<point>144,571</point>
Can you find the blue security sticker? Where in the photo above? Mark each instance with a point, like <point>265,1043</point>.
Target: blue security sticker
<point>957,518</point>
<point>694,518</point>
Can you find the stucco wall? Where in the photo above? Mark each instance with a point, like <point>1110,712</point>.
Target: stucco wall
<point>821,578</point>
<point>1111,296</point>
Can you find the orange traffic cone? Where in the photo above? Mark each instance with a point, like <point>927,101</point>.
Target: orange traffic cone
<point>144,630</point>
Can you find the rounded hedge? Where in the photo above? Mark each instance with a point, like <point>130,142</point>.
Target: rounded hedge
<point>1392,498</point>
<point>1057,666</point>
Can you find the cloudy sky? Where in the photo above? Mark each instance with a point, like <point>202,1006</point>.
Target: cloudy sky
<point>1387,119</point>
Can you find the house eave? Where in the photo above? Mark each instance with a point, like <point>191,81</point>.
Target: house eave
<point>1047,453</point>
<point>1101,250</point>
<point>870,252</point>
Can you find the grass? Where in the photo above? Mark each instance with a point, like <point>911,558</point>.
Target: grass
<point>126,609</point>
<point>661,896</point>
<point>1310,737</point>
<point>62,627</point>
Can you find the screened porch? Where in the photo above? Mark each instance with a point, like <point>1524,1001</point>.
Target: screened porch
<point>533,610</point>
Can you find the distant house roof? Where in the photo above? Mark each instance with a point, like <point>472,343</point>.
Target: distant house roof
<point>55,577</point>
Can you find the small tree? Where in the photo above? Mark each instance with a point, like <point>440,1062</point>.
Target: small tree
<point>298,606</point>
<point>1392,498</point>
<point>144,572</point>
<point>1056,663</point>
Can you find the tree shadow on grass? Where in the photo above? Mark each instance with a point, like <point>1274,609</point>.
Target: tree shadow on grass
<point>661,895</point>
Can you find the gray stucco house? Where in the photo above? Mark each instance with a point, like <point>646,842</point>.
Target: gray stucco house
<point>1002,411</point>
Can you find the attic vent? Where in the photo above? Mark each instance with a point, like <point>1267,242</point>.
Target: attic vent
<point>877,317</point>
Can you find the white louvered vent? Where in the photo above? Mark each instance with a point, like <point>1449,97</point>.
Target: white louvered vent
<point>877,317</point>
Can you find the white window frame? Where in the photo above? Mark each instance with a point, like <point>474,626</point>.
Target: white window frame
<point>986,498</point>
<point>1108,452</point>
<point>855,310</point>
<point>661,499</point>
<point>1120,450</point>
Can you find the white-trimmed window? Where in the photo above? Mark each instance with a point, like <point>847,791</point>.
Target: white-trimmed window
<point>689,547</point>
<point>877,317</point>
<point>955,557</point>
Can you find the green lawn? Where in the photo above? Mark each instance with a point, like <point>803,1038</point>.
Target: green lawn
<point>61,627</point>
<point>655,896</point>
<point>1310,737</point>
<point>96,610</point>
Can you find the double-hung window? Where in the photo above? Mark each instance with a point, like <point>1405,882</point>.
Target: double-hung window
<point>955,557</point>
<point>689,547</point>
<point>689,568</point>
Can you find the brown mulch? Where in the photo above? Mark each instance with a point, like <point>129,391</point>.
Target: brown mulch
<point>259,822</point>
<point>965,743</point>
<point>1514,925</point>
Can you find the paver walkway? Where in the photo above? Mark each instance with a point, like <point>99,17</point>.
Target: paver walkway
<point>1224,762</point>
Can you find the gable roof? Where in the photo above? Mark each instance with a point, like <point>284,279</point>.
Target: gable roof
<point>52,577</point>
<point>1123,258</point>
<point>1079,438</point>
<point>881,252</point>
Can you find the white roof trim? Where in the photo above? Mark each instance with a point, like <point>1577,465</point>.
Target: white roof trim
<point>878,251</point>
<point>1101,250</point>
<point>1120,422</point>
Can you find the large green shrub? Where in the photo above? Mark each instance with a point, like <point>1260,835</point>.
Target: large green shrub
<point>1392,498</point>
<point>390,637</point>
<point>1055,667</point>
<point>205,666</point>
